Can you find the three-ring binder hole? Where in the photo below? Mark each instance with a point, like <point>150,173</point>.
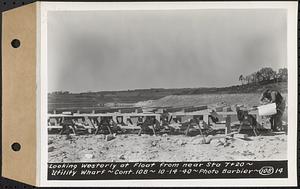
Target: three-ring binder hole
<point>16,146</point>
<point>15,43</point>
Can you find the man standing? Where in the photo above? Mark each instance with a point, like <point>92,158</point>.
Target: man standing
<point>274,96</point>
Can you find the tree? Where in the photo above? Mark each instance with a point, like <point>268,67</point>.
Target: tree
<point>242,79</point>
<point>283,74</point>
<point>267,74</point>
<point>257,77</point>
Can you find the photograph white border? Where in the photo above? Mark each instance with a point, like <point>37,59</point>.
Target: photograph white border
<point>42,144</point>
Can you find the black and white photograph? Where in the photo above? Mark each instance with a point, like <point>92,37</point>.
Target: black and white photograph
<point>167,86</point>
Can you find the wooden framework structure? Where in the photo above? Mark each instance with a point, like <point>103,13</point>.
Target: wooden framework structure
<point>227,118</point>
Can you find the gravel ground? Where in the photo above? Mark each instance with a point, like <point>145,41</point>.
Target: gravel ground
<point>130,147</point>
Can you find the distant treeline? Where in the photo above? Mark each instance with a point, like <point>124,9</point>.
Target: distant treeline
<point>265,75</point>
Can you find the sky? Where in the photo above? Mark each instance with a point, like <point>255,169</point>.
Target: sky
<point>122,50</point>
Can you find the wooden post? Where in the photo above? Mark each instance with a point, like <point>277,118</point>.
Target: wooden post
<point>114,118</point>
<point>153,129</point>
<point>187,130</point>
<point>258,118</point>
<point>228,124</point>
<point>206,118</point>
<point>157,117</point>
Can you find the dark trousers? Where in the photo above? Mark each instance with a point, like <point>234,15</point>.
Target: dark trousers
<point>276,120</point>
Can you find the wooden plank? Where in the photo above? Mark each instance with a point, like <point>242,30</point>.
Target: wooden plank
<point>234,113</point>
<point>55,127</point>
<point>130,127</point>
